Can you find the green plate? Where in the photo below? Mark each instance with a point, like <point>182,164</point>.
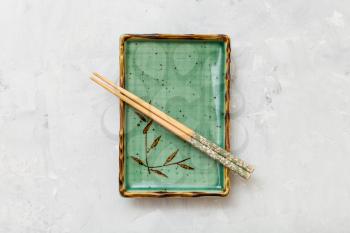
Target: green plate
<point>186,76</point>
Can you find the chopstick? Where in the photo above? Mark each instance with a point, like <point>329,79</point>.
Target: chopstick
<point>180,130</point>
<point>180,126</point>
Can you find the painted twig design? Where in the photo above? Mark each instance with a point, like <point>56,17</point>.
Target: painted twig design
<point>148,149</point>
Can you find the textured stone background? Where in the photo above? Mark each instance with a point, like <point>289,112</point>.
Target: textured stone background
<point>291,85</point>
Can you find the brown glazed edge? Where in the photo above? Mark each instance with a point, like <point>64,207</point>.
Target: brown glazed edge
<point>217,37</point>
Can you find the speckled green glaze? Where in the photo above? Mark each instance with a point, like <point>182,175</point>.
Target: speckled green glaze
<point>185,79</point>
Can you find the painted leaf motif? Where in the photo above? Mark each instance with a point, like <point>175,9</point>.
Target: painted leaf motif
<point>171,157</point>
<point>155,142</point>
<point>145,130</point>
<point>159,173</point>
<point>141,116</point>
<point>184,166</point>
<point>139,161</point>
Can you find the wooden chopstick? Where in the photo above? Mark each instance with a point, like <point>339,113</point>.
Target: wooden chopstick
<point>180,126</point>
<point>226,162</point>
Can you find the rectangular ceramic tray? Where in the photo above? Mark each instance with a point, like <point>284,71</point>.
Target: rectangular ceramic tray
<point>186,76</point>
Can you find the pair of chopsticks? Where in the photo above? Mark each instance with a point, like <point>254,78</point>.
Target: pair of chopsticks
<point>211,149</point>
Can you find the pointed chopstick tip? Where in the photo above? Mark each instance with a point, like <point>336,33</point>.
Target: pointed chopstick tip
<point>97,74</point>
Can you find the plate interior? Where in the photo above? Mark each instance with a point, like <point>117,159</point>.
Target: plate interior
<point>185,79</point>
